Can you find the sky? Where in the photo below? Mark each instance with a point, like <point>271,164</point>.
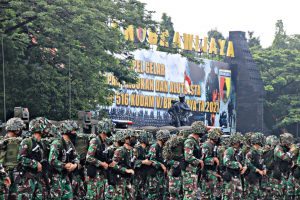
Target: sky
<point>198,17</point>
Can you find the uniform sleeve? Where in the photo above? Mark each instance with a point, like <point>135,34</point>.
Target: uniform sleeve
<point>208,159</point>
<point>248,162</point>
<point>138,163</point>
<point>228,159</point>
<point>90,156</point>
<point>53,156</point>
<point>24,152</point>
<point>117,158</point>
<point>76,157</point>
<point>279,153</point>
<point>188,153</point>
<point>152,156</point>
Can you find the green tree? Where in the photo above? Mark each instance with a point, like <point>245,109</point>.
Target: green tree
<point>280,40</point>
<point>214,33</point>
<point>280,69</point>
<point>253,42</point>
<point>43,40</point>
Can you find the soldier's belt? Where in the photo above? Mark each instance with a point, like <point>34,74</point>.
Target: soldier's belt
<point>210,167</point>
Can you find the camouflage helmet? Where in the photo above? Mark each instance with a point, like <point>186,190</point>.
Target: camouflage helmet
<point>111,125</point>
<point>163,135</point>
<point>225,140</point>
<point>120,136</point>
<point>214,134</point>
<point>143,137</point>
<point>74,125</point>
<point>198,127</point>
<point>65,127</point>
<point>14,124</point>
<point>247,137</point>
<point>38,125</point>
<point>286,139</point>
<point>272,140</point>
<point>130,133</point>
<point>185,133</point>
<point>257,138</point>
<point>236,138</point>
<point>102,127</point>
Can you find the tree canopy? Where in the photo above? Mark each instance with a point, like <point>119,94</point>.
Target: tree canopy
<point>46,41</point>
<point>280,70</point>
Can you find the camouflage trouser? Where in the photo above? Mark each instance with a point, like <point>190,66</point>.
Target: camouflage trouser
<point>95,186</point>
<point>123,189</point>
<point>109,191</point>
<point>78,187</point>
<point>32,186</point>
<point>209,186</point>
<point>189,185</point>
<point>175,187</point>
<point>157,186</point>
<point>61,187</point>
<point>3,190</point>
<point>140,186</point>
<point>253,191</point>
<point>273,188</point>
<point>233,189</point>
<point>293,188</point>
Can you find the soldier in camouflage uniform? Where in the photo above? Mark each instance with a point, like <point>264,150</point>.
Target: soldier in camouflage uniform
<point>157,183</point>
<point>285,155</point>
<point>5,183</point>
<point>233,169</point>
<point>122,165</point>
<point>269,184</point>
<point>117,142</point>
<point>14,127</point>
<point>63,160</point>
<point>141,166</point>
<point>255,164</point>
<point>173,154</point>
<point>76,178</point>
<point>211,174</point>
<point>96,163</point>
<point>193,160</point>
<point>33,183</point>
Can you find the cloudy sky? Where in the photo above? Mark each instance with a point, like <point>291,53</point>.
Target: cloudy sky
<point>260,16</point>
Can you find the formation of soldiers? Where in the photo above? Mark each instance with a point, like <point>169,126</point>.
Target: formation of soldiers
<point>192,163</point>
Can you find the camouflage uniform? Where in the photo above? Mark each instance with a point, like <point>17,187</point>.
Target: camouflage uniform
<point>122,159</point>
<point>110,188</point>
<point>232,178</point>
<point>157,183</point>
<point>269,184</point>
<point>4,189</point>
<point>140,177</point>
<point>192,157</point>
<point>94,158</point>
<point>33,183</point>
<point>254,162</point>
<point>210,175</point>
<point>61,153</point>
<point>173,154</point>
<point>284,157</point>
<point>14,125</point>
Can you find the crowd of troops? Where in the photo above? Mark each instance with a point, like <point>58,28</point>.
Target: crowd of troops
<point>192,163</point>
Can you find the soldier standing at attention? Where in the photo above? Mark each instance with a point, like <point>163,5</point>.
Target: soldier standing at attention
<point>255,164</point>
<point>96,163</point>
<point>285,155</point>
<point>233,169</point>
<point>33,184</point>
<point>123,167</point>
<point>141,166</point>
<point>8,160</point>
<point>192,157</point>
<point>157,183</point>
<point>63,159</point>
<point>211,164</point>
